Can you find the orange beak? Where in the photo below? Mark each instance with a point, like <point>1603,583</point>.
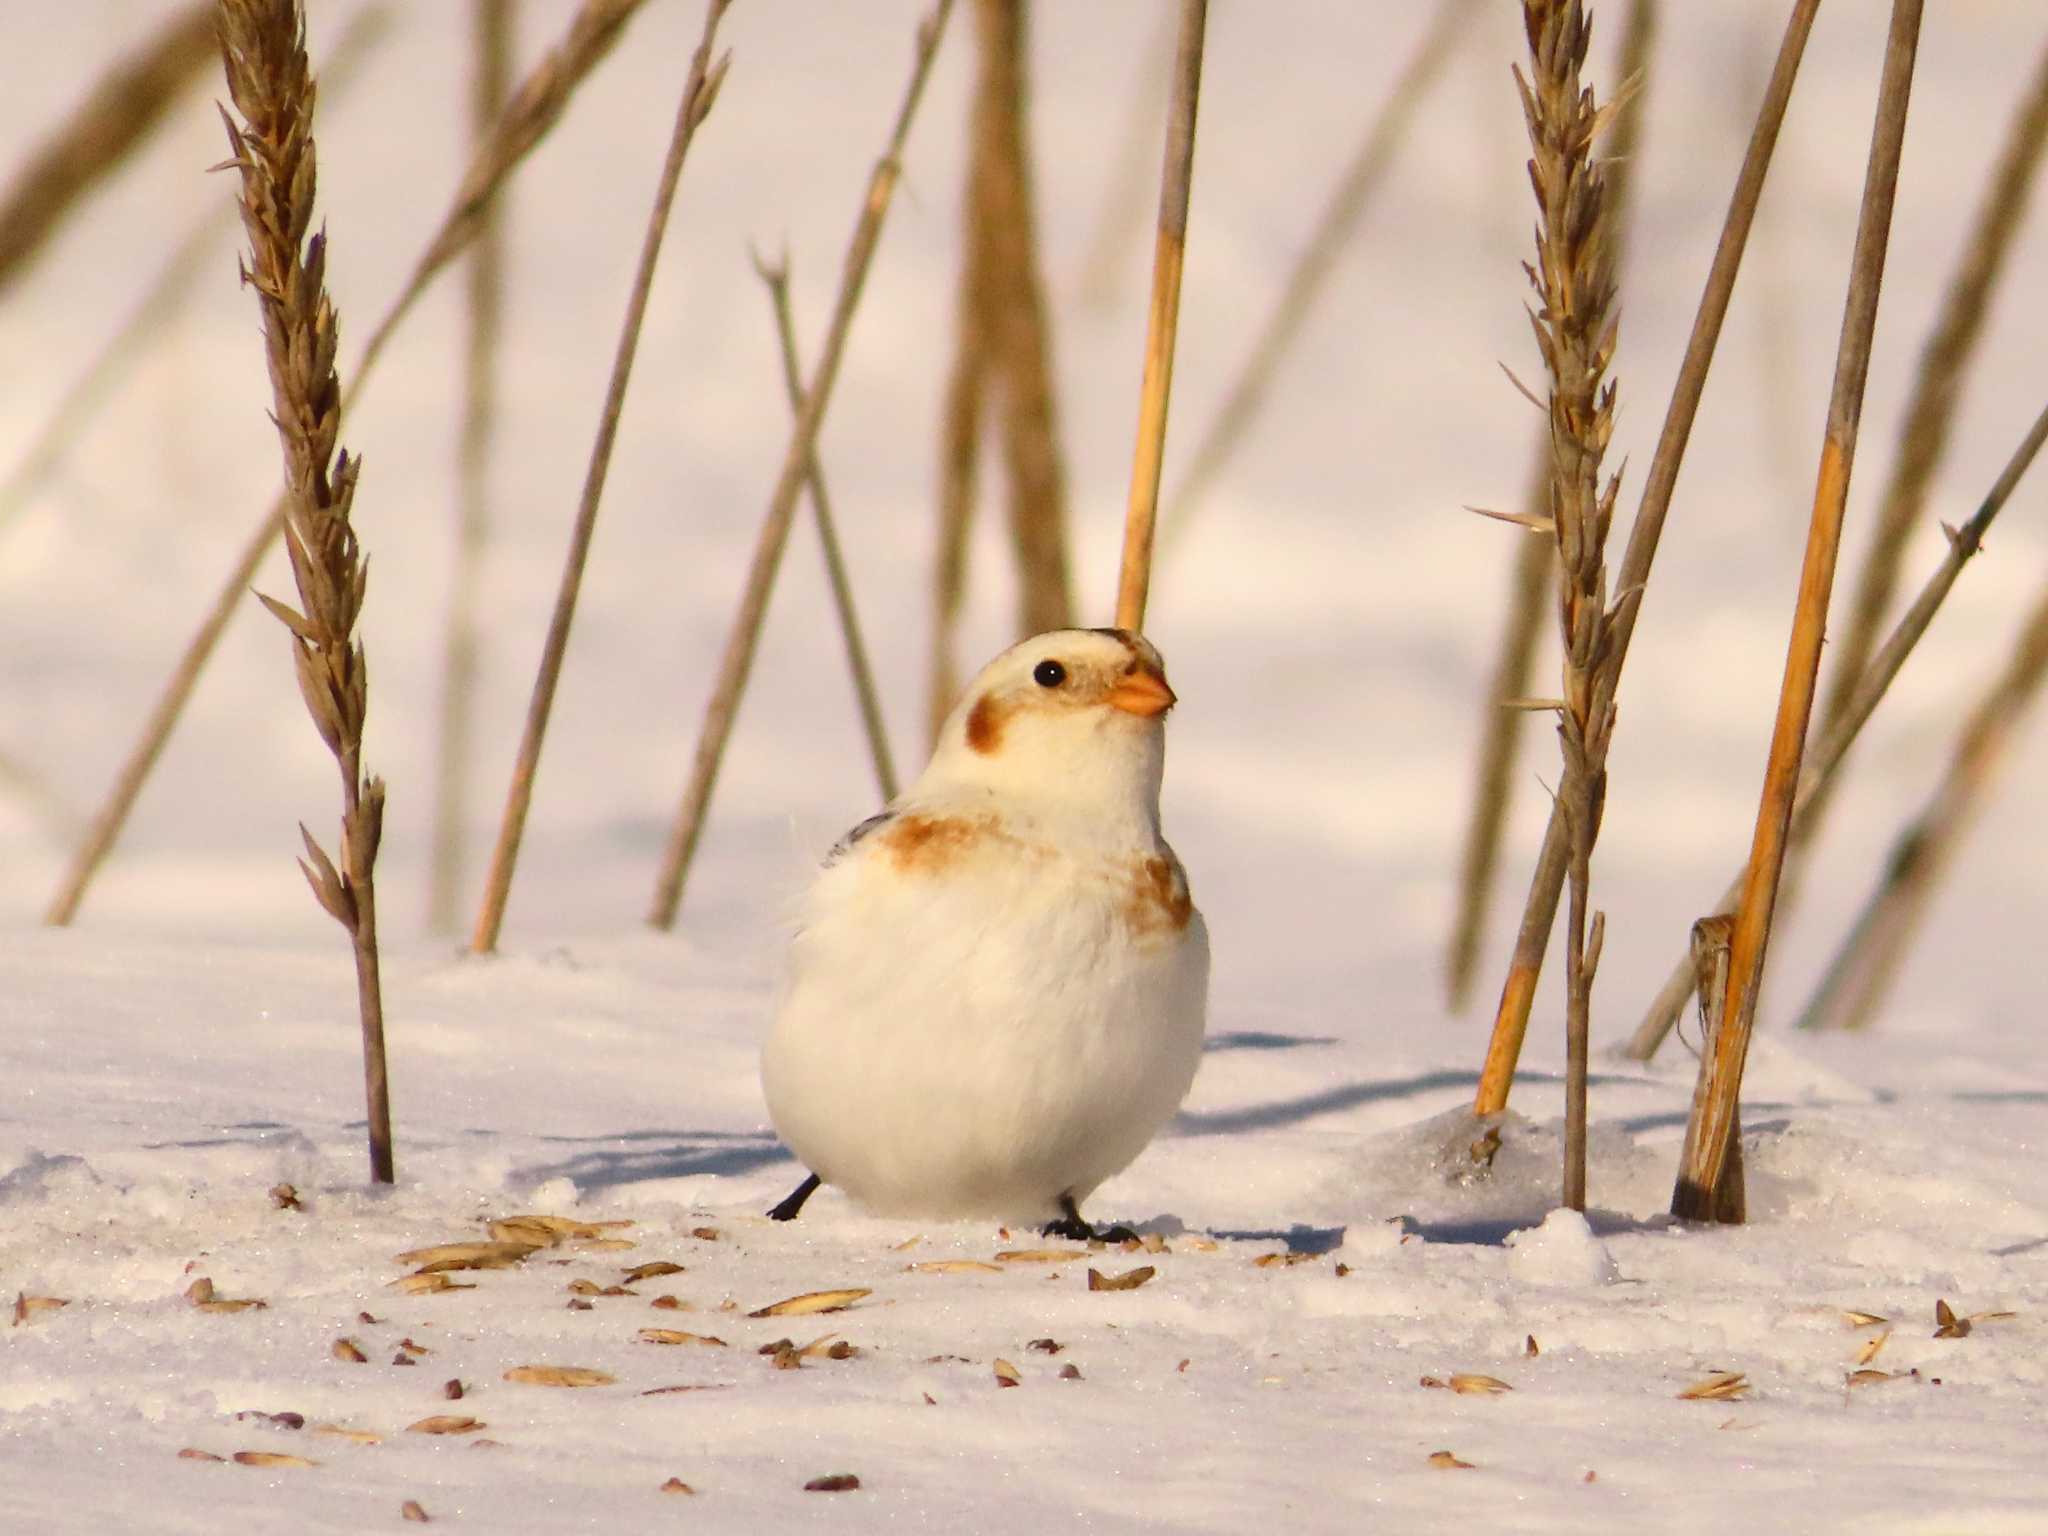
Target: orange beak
<point>1142,692</point>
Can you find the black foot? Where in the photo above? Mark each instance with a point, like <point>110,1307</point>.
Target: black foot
<point>794,1200</point>
<point>1074,1228</point>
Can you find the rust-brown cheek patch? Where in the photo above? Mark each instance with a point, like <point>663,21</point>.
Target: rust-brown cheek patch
<point>1159,901</point>
<point>985,725</point>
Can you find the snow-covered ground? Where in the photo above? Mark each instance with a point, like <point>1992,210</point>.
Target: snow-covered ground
<point>191,1042</point>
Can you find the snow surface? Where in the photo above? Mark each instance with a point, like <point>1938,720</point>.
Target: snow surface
<point>191,1043</point>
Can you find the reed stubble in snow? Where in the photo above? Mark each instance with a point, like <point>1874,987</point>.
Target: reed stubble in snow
<point>535,107</point>
<point>1575,322</point>
<point>263,51</point>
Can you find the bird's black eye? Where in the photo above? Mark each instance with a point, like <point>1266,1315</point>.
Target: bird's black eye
<point>1048,674</point>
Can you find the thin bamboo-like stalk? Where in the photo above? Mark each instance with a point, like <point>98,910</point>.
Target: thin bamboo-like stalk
<point>700,94</point>
<point>168,290</point>
<point>1718,1090</point>
<point>491,24</point>
<point>1019,328</point>
<point>1931,410</point>
<point>1134,575</point>
<point>864,691</point>
<point>536,107</point>
<point>744,634</point>
<point>263,52</point>
<point>1860,977</point>
<point>1001,359</point>
<point>124,105</point>
<point>1539,911</point>
<point>1245,396</point>
<point>1534,560</point>
<point>1836,739</point>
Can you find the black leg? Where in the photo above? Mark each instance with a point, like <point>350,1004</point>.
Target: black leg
<point>794,1200</point>
<point>1073,1226</point>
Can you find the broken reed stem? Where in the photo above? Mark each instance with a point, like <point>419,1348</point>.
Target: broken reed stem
<point>1019,331</point>
<point>1837,737</point>
<point>1534,559</point>
<point>1860,976</point>
<point>1931,410</point>
<point>1134,576</point>
<point>263,51</point>
<point>1719,1086</point>
<point>124,105</point>
<point>82,399</point>
<point>1575,324</point>
<point>1245,396</point>
<point>1001,348</point>
<point>1539,911</point>
<point>700,93</point>
<point>484,294</point>
<point>744,634</point>
<point>536,107</point>
<point>864,692</point>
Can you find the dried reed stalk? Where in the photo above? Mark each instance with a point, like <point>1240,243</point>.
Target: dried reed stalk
<point>1860,976</point>
<point>1715,1096</point>
<point>167,292</point>
<point>864,691</point>
<point>1535,559</point>
<point>1245,395</point>
<point>742,638</point>
<point>1931,409</point>
<point>959,481</point>
<point>117,114</point>
<point>1539,911</point>
<point>1134,576</point>
<point>1836,738</point>
<point>535,108</point>
<point>491,24</point>
<point>1575,321</point>
<point>700,93</point>
<point>263,51</point>
<point>1002,357</point>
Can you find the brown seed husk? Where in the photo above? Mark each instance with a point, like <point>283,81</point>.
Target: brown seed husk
<point>678,1336</point>
<point>354,1436</point>
<point>1040,1255</point>
<point>193,1453</point>
<point>1444,1461</point>
<point>813,1301</point>
<point>349,1350</point>
<point>1872,1347</point>
<point>285,1197</point>
<point>496,1254</point>
<point>676,1485</point>
<point>838,1482</point>
<point>411,1510</point>
<point>559,1376</point>
<point>1471,1383</point>
<point>670,1304</point>
<point>1129,1280</point>
<point>641,1272</point>
<point>1722,1386</point>
<point>270,1459</point>
<point>224,1304</point>
<point>445,1424</point>
<point>1007,1374</point>
<point>26,1307</point>
<point>1865,1319</point>
<point>954,1267</point>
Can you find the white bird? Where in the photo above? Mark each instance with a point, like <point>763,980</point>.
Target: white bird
<point>998,986</point>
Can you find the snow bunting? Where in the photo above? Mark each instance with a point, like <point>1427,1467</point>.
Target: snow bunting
<point>998,985</point>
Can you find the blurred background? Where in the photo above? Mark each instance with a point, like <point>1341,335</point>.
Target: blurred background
<point>1328,612</point>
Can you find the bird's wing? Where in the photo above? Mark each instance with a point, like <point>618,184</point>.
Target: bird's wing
<point>853,836</point>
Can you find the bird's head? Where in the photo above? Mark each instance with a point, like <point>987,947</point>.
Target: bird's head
<point>1072,722</point>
